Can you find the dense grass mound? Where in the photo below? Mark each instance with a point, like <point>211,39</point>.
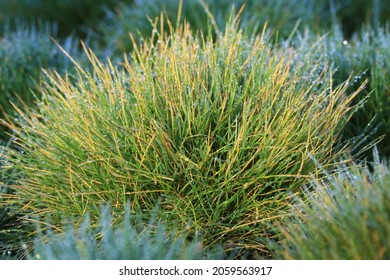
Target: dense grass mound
<point>347,217</point>
<point>221,133</point>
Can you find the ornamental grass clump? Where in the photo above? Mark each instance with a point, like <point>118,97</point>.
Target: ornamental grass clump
<point>219,132</point>
<point>345,217</point>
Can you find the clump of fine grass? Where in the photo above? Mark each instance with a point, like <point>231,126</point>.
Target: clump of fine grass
<point>129,241</point>
<point>220,131</point>
<point>345,217</point>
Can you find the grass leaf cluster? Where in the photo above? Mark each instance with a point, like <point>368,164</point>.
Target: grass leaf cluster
<point>221,132</point>
<point>243,133</point>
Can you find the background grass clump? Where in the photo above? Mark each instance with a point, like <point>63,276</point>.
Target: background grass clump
<point>347,217</point>
<point>281,16</point>
<point>364,56</point>
<point>135,17</point>
<point>367,56</point>
<point>131,240</point>
<point>221,132</point>
<point>23,54</point>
